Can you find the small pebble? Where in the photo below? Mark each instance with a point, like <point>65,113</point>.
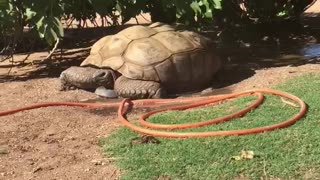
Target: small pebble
<point>72,138</point>
<point>3,151</point>
<point>87,170</point>
<point>97,162</point>
<point>37,169</point>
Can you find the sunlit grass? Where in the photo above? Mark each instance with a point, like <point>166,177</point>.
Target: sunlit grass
<point>290,153</point>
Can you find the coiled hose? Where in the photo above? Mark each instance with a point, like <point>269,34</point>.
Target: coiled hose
<point>151,128</point>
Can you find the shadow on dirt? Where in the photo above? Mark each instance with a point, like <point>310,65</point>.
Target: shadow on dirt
<point>270,45</point>
<point>72,50</point>
<point>50,68</point>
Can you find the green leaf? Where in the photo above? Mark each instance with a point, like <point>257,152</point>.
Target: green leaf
<point>208,14</point>
<point>57,27</point>
<point>40,25</point>
<point>50,28</point>
<point>29,14</point>
<point>50,36</point>
<point>196,8</point>
<point>217,4</point>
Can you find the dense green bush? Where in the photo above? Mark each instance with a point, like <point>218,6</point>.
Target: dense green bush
<point>44,17</point>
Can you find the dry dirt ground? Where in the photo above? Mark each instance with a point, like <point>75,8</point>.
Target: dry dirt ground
<point>62,142</point>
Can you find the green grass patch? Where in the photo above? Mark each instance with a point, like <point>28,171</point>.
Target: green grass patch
<point>289,153</point>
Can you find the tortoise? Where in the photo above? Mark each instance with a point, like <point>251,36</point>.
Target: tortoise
<point>147,61</point>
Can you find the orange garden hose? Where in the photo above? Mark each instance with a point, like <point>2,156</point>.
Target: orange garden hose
<point>191,103</point>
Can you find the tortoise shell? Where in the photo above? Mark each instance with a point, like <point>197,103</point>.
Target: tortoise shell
<point>158,52</point>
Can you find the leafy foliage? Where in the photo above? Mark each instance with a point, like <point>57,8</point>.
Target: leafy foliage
<point>273,9</point>
<point>45,17</point>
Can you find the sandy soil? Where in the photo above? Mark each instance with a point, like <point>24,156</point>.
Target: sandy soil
<point>62,143</point>
<point>53,142</point>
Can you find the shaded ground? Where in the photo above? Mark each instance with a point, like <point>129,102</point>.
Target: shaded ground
<point>62,143</point>
<point>54,142</point>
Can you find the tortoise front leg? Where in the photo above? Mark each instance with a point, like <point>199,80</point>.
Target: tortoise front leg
<point>138,89</point>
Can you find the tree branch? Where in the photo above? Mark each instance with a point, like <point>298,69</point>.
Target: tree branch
<point>52,51</point>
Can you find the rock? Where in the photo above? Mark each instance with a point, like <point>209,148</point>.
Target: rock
<point>108,93</point>
<point>206,91</point>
